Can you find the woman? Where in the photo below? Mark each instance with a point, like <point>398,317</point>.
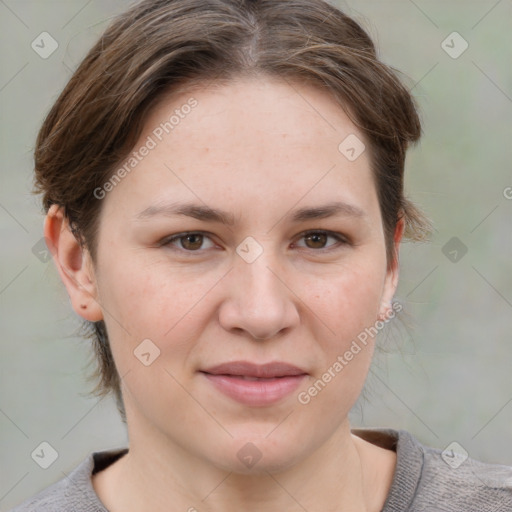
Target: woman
<point>224,192</point>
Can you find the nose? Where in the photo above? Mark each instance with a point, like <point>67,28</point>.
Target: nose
<point>258,300</point>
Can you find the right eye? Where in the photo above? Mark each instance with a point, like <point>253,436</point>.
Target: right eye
<point>187,242</point>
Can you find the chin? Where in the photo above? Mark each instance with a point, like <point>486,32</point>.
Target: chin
<point>258,455</point>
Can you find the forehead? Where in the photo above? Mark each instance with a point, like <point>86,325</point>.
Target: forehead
<point>250,140</point>
<point>253,110</point>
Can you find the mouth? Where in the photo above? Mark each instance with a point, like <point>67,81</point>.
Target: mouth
<point>255,371</point>
<point>255,385</point>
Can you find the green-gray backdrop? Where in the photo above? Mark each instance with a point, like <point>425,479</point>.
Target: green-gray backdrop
<point>445,377</point>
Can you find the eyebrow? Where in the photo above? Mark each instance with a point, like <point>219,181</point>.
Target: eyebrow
<point>206,213</point>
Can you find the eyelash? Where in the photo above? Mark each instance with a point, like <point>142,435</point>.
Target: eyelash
<point>341,241</point>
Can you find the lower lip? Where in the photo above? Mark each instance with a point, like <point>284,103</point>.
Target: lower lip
<point>255,392</point>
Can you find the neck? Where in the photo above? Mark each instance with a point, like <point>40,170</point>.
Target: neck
<point>344,473</point>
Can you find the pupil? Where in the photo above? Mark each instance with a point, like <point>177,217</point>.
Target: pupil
<point>317,238</point>
<point>189,241</point>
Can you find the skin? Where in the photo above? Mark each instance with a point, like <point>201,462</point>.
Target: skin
<point>259,149</point>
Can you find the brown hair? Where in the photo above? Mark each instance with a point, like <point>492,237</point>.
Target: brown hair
<point>159,45</point>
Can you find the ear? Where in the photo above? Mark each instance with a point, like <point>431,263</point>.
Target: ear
<point>391,281</point>
<point>73,263</point>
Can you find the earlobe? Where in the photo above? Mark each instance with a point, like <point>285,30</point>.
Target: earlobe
<point>73,263</point>
<point>392,273</point>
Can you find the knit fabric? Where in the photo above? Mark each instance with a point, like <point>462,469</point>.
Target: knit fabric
<point>423,481</point>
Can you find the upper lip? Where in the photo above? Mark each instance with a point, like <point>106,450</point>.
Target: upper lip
<point>247,369</point>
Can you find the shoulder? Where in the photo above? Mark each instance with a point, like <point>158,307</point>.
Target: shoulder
<point>453,481</point>
<point>431,480</point>
<point>75,491</point>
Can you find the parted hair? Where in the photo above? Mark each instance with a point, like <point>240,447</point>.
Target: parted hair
<point>158,46</point>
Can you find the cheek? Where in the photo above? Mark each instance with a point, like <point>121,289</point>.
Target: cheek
<point>144,299</point>
<point>149,296</point>
<point>348,300</point>
<point>347,307</point>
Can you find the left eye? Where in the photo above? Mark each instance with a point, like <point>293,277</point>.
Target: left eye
<point>318,239</point>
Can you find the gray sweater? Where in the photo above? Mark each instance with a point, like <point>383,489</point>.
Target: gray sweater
<point>425,481</point>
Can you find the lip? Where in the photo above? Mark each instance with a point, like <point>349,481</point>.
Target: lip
<point>255,385</point>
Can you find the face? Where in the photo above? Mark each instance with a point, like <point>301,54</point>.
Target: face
<point>244,238</point>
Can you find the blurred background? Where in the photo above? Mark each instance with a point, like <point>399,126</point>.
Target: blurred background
<point>444,373</point>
